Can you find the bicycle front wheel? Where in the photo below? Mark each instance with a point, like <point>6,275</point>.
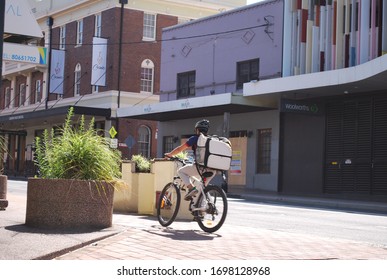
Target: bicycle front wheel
<point>168,204</point>
<point>215,204</point>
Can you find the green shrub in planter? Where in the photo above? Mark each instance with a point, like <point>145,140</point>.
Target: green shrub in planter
<point>77,153</point>
<point>79,174</point>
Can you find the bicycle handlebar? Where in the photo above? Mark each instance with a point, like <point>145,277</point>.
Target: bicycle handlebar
<point>175,158</point>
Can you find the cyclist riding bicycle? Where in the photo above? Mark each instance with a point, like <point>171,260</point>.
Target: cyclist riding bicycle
<point>190,170</point>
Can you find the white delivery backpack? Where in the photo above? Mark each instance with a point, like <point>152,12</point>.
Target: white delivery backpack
<point>213,152</point>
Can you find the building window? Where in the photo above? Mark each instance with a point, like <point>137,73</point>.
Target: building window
<point>7,97</point>
<point>186,84</point>
<point>264,151</point>
<point>168,144</point>
<point>149,29</point>
<point>79,32</point>
<point>77,80</point>
<point>94,89</point>
<point>144,135</point>
<point>38,91</point>
<point>98,25</point>
<point>247,71</point>
<point>22,94</point>
<point>62,37</point>
<point>147,69</point>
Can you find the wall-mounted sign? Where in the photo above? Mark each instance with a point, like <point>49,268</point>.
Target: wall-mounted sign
<point>310,107</point>
<point>24,53</point>
<point>20,20</point>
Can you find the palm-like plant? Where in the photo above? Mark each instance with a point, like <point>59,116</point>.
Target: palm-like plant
<point>77,153</point>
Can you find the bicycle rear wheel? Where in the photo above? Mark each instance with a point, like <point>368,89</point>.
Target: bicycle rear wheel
<point>215,202</point>
<point>168,204</point>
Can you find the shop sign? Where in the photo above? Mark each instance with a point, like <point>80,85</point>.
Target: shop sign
<point>24,53</point>
<point>310,107</point>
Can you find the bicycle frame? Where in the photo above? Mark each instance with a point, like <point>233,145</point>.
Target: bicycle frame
<point>208,207</point>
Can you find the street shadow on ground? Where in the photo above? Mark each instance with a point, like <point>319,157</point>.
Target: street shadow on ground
<point>181,234</point>
<point>23,228</point>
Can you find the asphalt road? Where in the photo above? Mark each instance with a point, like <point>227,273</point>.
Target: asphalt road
<point>331,223</point>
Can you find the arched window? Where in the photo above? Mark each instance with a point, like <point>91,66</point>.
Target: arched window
<point>147,73</point>
<point>77,80</point>
<point>144,137</point>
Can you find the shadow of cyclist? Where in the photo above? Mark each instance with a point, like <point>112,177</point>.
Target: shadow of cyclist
<point>179,234</point>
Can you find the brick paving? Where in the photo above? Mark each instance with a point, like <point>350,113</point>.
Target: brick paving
<point>145,239</point>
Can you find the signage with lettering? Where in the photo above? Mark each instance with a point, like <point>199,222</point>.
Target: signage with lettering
<point>98,70</point>
<point>20,20</point>
<point>310,107</point>
<point>24,53</point>
<point>57,71</point>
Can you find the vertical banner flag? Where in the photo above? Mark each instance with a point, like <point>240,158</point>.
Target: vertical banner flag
<point>98,70</point>
<point>57,71</point>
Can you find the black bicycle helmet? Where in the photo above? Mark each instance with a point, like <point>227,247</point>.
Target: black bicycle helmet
<point>203,126</point>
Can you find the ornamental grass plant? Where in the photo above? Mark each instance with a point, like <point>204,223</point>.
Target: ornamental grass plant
<point>76,152</point>
<point>142,164</point>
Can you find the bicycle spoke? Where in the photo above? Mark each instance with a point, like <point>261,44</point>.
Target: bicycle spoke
<point>214,216</point>
<point>168,204</point>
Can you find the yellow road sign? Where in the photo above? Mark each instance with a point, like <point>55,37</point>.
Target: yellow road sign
<point>112,132</point>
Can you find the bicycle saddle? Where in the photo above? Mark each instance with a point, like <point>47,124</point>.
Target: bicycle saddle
<point>207,174</point>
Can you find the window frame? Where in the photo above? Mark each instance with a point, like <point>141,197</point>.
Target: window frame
<point>79,32</point>
<point>22,94</point>
<point>38,91</point>
<point>94,89</point>
<point>149,27</point>
<point>62,37</point>
<point>97,25</point>
<point>144,144</point>
<point>168,143</point>
<point>7,97</point>
<point>264,149</point>
<point>147,76</point>
<point>188,88</point>
<point>251,76</point>
<point>77,79</point>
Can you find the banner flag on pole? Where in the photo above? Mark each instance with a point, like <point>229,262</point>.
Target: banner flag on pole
<point>98,70</point>
<point>57,71</point>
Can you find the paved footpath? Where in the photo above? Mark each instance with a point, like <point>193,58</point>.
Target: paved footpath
<point>145,239</point>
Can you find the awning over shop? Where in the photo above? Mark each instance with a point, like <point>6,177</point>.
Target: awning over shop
<point>363,78</point>
<point>212,105</point>
<point>44,114</point>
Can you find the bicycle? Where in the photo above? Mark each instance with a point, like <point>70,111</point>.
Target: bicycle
<point>209,207</point>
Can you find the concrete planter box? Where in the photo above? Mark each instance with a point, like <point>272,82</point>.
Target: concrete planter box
<point>143,188</point>
<point>138,194</point>
<point>3,192</point>
<point>69,204</point>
